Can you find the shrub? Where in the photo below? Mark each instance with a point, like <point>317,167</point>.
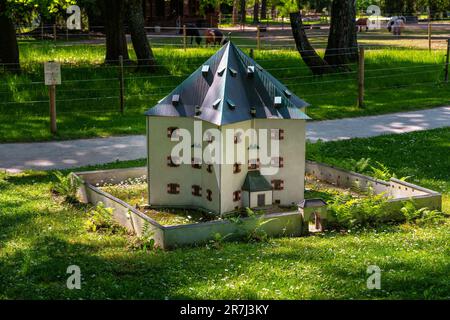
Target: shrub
<point>101,219</point>
<point>421,216</point>
<point>349,212</point>
<point>66,186</point>
<point>3,181</point>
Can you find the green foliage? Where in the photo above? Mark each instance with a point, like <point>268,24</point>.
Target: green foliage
<point>101,219</point>
<point>360,165</point>
<point>66,186</point>
<point>146,242</point>
<point>349,212</point>
<point>3,178</point>
<point>421,216</point>
<point>23,10</point>
<point>218,240</point>
<point>258,234</point>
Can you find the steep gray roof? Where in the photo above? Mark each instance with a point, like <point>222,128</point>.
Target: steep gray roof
<point>230,87</point>
<point>255,182</point>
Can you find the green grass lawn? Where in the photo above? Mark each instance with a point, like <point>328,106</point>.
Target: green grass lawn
<point>88,99</point>
<point>41,237</point>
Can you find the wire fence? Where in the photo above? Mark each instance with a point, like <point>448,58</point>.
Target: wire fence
<point>90,88</point>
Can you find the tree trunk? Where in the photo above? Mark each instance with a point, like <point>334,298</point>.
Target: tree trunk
<point>341,27</point>
<point>243,13</point>
<point>136,25</point>
<point>353,34</point>
<point>256,12</point>
<point>9,49</point>
<point>116,42</point>
<point>316,64</point>
<point>235,12</point>
<point>263,9</point>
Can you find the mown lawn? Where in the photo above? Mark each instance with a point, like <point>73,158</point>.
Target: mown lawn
<point>88,99</point>
<point>41,237</point>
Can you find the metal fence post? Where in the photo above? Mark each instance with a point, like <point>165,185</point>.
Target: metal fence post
<point>184,36</point>
<point>258,38</point>
<point>447,61</point>
<point>121,85</point>
<point>429,29</point>
<point>361,78</point>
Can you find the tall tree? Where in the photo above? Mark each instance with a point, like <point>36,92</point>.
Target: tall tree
<point>256,12</point>
<point>9,49</point>
<point>12,12</point>
<point>116,42</point>
<point>342,37</point>
<point>243,12</point>
<point>342,41</point>
<point>139,39</point>
<point>263,9</point>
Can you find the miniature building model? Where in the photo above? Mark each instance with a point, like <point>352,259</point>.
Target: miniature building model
<point>229,93</point>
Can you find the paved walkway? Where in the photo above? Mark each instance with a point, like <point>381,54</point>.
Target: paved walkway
<point>76,153</point>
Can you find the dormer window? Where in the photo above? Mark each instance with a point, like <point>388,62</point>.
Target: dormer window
<point>175,99</point>
<point>216,103</point>
<point>205,70</point>
<point>221,71</point>
<point>233,72</point>
<point>198,110</point>
<point>287,93</point>
<point>231,104</point>
<point>250,71</point>
<point>236,196</point>
<point>277,102</point>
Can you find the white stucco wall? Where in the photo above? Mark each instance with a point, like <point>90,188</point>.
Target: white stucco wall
<point>160,174</point>
<point>222,182</point>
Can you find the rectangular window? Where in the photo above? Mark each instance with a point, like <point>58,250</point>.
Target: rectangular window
<point>196,163</point>
<point>278,184</point>
<point>173,161</point>
<point>173,188</point>
<point>277,134</point>
<point>237,168</point>
<point>237,138</point>
<point>209,168</point>
<point>236,196</point>
<point>209,195</point>
<point>173,132</point>
<point>253,164</point>
<point>277,162</point>
<point>196,191</point>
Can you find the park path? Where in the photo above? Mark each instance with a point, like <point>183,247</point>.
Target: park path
<point>76,153</point>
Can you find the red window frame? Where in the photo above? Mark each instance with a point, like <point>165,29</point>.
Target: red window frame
<point>194,164</point>
<point>170,131</point>
<point>237,167</point>
<point>277,184</point>
<point>173,188</point>
<point>196,190</point>
<point>237,196</point>
<point>171,163</point>
<point>209,195</point>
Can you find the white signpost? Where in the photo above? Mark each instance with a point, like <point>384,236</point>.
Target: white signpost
<point>52,72</point>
